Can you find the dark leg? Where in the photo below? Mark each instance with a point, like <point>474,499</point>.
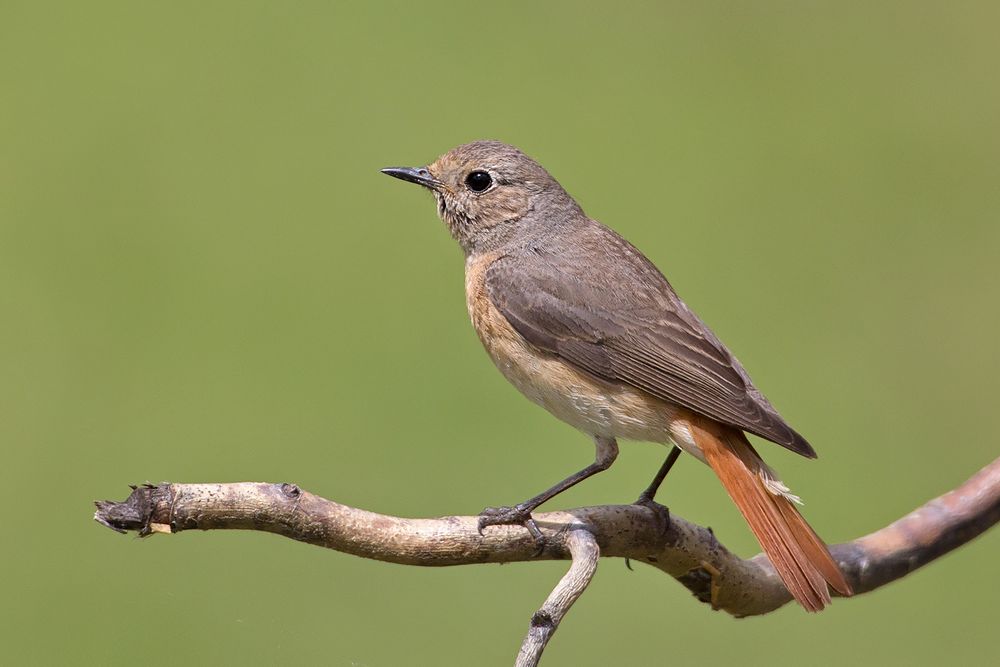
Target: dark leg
<point>647,496</point>
<point>607,452</point>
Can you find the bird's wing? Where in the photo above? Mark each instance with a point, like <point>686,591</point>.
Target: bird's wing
<point>622,322</point>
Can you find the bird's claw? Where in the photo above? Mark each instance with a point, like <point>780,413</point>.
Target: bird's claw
<point>512,516</point>
<point>661,511</point>
<point>646,501</point>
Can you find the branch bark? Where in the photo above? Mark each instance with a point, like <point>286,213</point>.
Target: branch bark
<point>585,553</point>
<point>687,552</point>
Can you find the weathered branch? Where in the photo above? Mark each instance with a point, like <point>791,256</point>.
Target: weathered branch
<point>687,552</point>
<point>585,553</point>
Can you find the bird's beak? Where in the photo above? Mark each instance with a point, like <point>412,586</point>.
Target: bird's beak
<point>418,175</point>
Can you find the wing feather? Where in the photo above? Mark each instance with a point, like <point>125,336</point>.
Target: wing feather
<point>626,324</point>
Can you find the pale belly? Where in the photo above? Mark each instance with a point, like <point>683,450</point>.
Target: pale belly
<point>596,407</point>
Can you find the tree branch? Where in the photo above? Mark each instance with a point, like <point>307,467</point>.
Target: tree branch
<point>585,553</point>
<point>685,551</point>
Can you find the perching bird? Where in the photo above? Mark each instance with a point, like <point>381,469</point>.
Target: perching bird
<point>585,325</point>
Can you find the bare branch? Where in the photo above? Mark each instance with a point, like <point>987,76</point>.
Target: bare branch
<point>585,553</point>
<point>686,551</point>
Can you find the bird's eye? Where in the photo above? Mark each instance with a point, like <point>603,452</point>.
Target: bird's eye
<point>478,181</point>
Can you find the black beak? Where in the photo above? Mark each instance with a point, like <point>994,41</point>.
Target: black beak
<point>418,175</point>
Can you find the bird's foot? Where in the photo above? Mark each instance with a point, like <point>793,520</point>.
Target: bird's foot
<point>661,511</point>
<point>645,499</point>
<point>518,515</point>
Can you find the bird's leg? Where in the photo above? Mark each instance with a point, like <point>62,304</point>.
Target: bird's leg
<point>606,453</point>
<point>646,497</point>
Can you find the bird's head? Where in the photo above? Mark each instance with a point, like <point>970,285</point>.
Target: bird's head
<point>486,191</point>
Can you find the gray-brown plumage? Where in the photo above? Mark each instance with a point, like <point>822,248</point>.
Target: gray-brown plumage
<point>624,323</point>
<point>585,325</point>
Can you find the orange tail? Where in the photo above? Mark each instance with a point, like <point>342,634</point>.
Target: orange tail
<point>797,553</point>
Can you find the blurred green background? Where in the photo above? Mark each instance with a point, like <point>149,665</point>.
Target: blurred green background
<point>203,277</point>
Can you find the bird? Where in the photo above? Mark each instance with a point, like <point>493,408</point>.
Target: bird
<point>584,325</point>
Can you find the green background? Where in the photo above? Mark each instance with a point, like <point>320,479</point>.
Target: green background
<point>203,277</point>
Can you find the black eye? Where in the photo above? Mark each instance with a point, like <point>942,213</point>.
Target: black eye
<point>478,181</point>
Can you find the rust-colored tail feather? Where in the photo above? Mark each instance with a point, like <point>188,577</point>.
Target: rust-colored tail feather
<point>797,553</point>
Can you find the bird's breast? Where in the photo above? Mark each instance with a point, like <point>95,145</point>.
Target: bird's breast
<point>574,396</point>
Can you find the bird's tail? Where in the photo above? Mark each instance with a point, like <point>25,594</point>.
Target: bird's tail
<point>800,557</point>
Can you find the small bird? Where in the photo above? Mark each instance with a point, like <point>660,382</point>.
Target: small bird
<point>583,324</point>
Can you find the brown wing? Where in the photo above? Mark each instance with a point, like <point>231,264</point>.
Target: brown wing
<point>593,299</point>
